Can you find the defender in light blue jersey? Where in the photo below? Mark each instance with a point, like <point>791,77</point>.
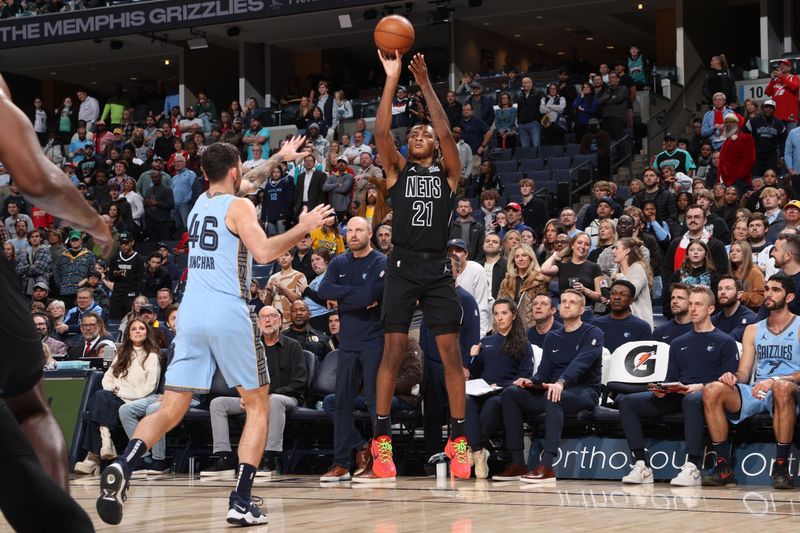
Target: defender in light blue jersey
<point>215,326</point>
<point>771,356</point>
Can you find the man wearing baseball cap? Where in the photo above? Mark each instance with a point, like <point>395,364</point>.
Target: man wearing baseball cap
<point>514,216</point>
<point>791,212</point>
<point>71,267</point>
<point>126,272</point>
<point>675,157</point>
<point>737,155</point>
<point>767,131</point>
<point>783,88</point>
<point>472,278</point>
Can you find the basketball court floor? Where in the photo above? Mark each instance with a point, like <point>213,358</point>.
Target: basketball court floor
<point>415,504</point>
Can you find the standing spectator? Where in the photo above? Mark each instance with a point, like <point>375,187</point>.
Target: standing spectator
<point>674,157</point>
<point>281,284</point>
<point>637,67</point>
<point>324,101</point>
<point>257,134</point>
<point>310,182</point>
<point>66,118</point>
<point>72,266</point>
<point>158,205</point>
<point>784,88</point>
<point>189,125</point>
<point>481,104</point>
<point>791,156</point>
<point>584,108</point>
<point>89,110</point>
<point>37,267</point>
<point>366,173</point>
<point>505,124</point>
<point>767,131</point>
<point>135,200</point>
<point>633,269</point>
<point>737,155</point>
<point>719,80</point>
<point>566,89</point>
<point>278,202</point>
<point>467,229</point>
<point>528,115</point>
<point>666,207</point>
<point>552,106</point>
<point>182,182</point>
<point>713,126</point>
<point>206,110</point>
<point>40,119</point>
<point>452,109</point>
<point>493,263</point>
<point>476,132</point>
<point>472,278</point>
<point>15,215</point>
<point>126,272</point>
<point>342,109</point>
<point>534,209</point>
<point>156,277</point>
<point>614,107</point>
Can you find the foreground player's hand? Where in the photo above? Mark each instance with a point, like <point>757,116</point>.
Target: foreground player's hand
<point>314,219</point>
<point>102,236</point>
<point>419,69</point>
<point>393,66</point>
<point>554,391</point>
<point>729,379</point>
<point>289,151</point>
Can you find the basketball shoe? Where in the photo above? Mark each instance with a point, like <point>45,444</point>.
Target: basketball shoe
<point>382,464</point>
<point>721,474</point>
<point>245,513</point>
<point>113,493</point>
<point>458,452</point>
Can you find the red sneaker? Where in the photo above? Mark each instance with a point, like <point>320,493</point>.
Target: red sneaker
<point>382,463</point>
<point>458,453</point>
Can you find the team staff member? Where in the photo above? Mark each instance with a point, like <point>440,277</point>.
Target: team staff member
<point>566,382</point>
<point>773,346</point>
<point>126,272</point>
<point>422,189</point>
<point>734,317</point>
<point>680,323</point>
<point>354,281</point>
<point>695,358</point>
<point>544,319</point>
<point>620,326</point>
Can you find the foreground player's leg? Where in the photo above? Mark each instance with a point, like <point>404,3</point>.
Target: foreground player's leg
<point>719,398</point>
<point>456,448</point>
<point>242,507</point>
<point>784,416</point>
<point>114,480</point>
<point>381,447</point>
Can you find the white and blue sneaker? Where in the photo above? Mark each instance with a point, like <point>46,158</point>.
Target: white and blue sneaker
<point>113,493</point>
<point>245,513</point>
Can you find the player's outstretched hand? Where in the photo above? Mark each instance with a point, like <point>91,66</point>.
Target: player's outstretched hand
<point>393,66</point>
<point>419,69</point>
<point>289,151</point>
<point>317,217</point>
<point>102,236</point>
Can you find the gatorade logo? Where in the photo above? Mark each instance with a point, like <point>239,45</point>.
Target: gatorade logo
<point>641,361</point>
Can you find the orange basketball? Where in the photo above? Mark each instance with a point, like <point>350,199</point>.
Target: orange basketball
<point>394,33</point>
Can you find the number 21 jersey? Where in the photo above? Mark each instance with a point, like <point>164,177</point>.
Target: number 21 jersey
<point>422,202</point>
<point>219,262</point>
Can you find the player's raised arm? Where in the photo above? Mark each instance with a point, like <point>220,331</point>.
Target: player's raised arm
<point>439,121</point>
<point>255,178</point>
<point>393,162</point>
<point>39,179</point>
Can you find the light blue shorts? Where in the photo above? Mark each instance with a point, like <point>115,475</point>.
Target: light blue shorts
<point>216,330</point>
<point>751,406</point>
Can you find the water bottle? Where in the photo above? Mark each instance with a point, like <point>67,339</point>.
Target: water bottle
<point>318,406</point>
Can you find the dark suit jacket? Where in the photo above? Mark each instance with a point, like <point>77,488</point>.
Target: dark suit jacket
<point>316,195</point>
<point>165,202</point>
<point>77,344</point>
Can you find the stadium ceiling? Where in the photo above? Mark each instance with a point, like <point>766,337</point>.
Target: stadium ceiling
<point>591,26</point>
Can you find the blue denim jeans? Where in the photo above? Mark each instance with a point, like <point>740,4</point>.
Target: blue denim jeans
<point>530,134</point>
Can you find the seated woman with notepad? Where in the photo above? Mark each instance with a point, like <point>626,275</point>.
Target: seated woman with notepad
<point>498,360</point>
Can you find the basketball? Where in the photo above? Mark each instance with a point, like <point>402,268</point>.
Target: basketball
<point>394,33</point>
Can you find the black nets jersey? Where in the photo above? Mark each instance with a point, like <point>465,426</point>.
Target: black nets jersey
<point>422,203</point>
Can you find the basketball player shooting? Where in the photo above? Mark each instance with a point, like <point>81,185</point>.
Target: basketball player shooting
<point>33,457</point>
<point>215,327</point>
<point>418,270</point>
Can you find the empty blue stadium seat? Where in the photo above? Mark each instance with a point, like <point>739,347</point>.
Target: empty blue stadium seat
<point>572,150</point>
<point>531,165</point>
<point>580,158</point>
<point>505,166</point>
<point>562,174</point>
<point>540,175</point>
<point>558,162</point>
<point>510,178</point>
<point>551,151</point>
<point>528,152</point>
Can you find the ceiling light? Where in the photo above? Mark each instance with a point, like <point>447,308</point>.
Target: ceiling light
<point>590,38</point>
<point>539,17</point>
<point>487,23</point>
<point>54,73</point>
<point>93,82</point>
<point>166,62</point>
<point>610,47</point>
<point>517,35</point>
<point>567,29</point>
<point>539,44</point>
<point>345,21</point>
<point>132,78</point>
<point>639,6</point>
<point>559,53</point>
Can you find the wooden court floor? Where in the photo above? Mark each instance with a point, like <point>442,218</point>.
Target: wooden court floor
<point>414,504</point>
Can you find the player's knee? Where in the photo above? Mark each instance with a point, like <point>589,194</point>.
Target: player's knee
<point>784,392</point>
<point>712,392</point>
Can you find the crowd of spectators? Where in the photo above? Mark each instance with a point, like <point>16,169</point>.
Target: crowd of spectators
<point>718,210</point>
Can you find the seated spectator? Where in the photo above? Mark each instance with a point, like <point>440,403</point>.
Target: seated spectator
<point>56,312</point>
<point>775,217</point>
<point>713,126</point>
<point>99,291</point>
<point>574,270</point>
<point>494,263</point>
<point>72,266</point>
<point>164,300</point>
<point>697,268</point>
<point>133,312</point>
<point>605,211</point>
<point>621,326</point>
<point>284,283</point>
<point>695,358</point>
<point>749,276</point>
<point>676,253</point>
<point>353,152</point>
<point>733,316</point>
<point>680,323</point>
<point>366,173</point>
<point>486,179</point>
<point>514,221</point>
<point>288,373</point>
<point>499,360</point>
<point>84,303</point>
<point>317,307</point>
<point>164,336</point>
<point>156,276</point>
<point>41,293</point>
<point>666,207</point>
<point>333,328</point>
<point>523,282</point>
<point>674,157</point>
<point>606,237</point>
<point>632,267</point>
<point>566,382</point>
<point>328,238</point>
<point>133,375</point>
<point>301,257</point>
<point>93,339</point>
<point>19,240</point>
<point>714,223</point>
<point>791,212</point>
<point>310,339</point>
<point>757,231</point>
<point>384,239</point>
<point>58,349</point>
<point>485,214</point>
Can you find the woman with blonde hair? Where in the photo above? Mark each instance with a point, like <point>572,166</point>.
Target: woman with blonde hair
<point>523,281</point>
<point>632,267</point>
<point>606,237</point>
<point>575,271</point>
<point>511,239</point>
<point>751,277</point>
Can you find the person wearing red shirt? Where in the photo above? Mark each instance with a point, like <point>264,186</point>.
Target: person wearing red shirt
<point>783,88</point>
<point>737,156</point>
<point>41,219</point>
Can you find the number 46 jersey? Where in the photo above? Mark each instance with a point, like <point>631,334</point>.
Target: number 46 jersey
<point>777,355</point>
<point>422,202</point>
<point>219,262</point>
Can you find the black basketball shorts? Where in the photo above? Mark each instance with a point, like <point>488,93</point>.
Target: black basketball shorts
<point>413,278</point>
<point>21,355</point>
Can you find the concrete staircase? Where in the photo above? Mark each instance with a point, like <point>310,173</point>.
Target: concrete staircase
<point>622,177</point>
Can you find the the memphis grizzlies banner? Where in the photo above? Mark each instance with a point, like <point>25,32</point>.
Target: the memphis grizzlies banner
<point>597,458</point>
<point>144,17</point>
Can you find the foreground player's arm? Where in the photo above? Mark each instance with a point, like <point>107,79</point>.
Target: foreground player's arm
<point>242,221</point>
<point>746,361</point>
<point>439,121</point>
<point>254,179</point>
<point>40,180</point>
<point>393,162</point>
